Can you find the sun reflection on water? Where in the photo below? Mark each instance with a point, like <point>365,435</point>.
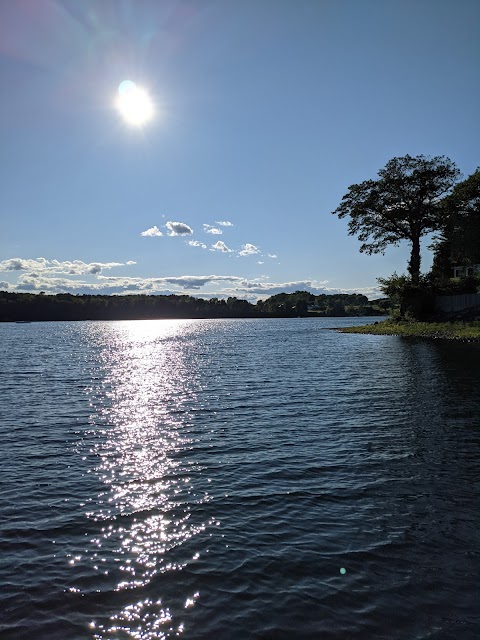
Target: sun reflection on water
<point>141,432</point>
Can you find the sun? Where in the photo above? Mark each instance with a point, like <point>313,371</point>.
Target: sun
<point>134,104</point>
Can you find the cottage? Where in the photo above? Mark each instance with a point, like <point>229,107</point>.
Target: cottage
<point>461,271</point>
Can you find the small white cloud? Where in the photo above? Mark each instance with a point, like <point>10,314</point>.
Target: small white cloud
<point>260,262</point>
<point>221,246</point>
<point>178,229</point>
<point>248,250</point>
<point>196,243</point>
<point>150,233</point>
<point>224,223</point>
<point>272,255</point>
<point>213,230</point>
<point>129,262</point>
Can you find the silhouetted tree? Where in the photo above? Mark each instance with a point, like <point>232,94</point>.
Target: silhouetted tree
<point>404,203</point>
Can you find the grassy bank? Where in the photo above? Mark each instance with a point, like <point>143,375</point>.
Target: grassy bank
<point>448,330</point>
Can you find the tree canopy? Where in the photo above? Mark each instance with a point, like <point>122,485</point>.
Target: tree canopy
<point>404,203</point>
<point>459,241</point>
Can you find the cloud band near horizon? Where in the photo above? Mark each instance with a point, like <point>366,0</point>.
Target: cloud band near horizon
<point>40,274</point>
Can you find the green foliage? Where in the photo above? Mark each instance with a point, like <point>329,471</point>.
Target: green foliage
<point>458,243</point>
<point>287,304</point>
<point>404,203</point>
<point>412,300</point>
<point>303,303</point>
<point>394,286</point>
<point>447,286</point>
<point>468,331</point>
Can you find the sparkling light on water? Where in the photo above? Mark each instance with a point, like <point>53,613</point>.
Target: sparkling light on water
<point>141,427</point>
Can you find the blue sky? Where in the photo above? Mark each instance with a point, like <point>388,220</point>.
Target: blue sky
<point>265,112</point>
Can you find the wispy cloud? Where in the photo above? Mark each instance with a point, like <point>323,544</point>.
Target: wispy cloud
<point>77,276</point>
<point>248,250</point>
<point>196,282</point>
<point>221,246</point>
<point>153,231</point>
<point>208,228</point>
<point>178,228</point>
<point>122,284</point>
<point>272,255</point>
<point>71,267</point>
<point>224,223</point>
<point>262,288</point>
<point>22,264</point>
<point>221,286</point>
<point>266,288</point>
<point>197,243</point>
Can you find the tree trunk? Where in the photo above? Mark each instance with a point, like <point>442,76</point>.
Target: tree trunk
<point>414,264</point>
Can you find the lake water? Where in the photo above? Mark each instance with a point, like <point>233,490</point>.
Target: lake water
<point>237,479</point>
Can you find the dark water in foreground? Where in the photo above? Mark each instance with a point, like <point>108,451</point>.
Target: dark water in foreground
<point>237,479</point>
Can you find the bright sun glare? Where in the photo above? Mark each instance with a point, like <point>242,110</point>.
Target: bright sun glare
<point>134,104</point>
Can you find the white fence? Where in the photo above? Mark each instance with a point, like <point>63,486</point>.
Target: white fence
<point>457,303</point>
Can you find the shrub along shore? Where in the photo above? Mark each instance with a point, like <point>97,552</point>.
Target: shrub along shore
<point>465,331</point>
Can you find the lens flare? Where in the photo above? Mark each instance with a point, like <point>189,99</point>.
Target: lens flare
<point>134,104</point>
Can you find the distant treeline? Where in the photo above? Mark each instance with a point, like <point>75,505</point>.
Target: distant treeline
<point>66,306</point>
<point>303,303</point>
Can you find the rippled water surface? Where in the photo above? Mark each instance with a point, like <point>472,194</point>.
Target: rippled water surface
<point>237,479</point>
